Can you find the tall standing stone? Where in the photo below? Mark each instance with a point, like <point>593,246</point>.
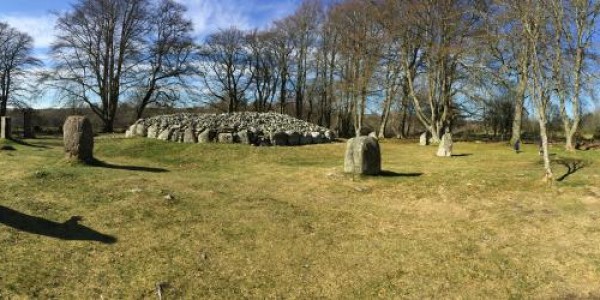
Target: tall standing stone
<point>78,137</point>
<point>28,131</point>
<point>424,140</point>
<point>245,137</point>
<point>206,136</point>
<point>189,136</point>
<point>5,128</point>
<point>279,138</point>
<point>363,156</point>
<point>445,148</point>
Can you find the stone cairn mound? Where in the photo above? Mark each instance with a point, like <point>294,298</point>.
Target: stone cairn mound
<point>261,129</point>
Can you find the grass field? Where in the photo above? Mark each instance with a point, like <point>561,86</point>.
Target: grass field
<point>233,221</point>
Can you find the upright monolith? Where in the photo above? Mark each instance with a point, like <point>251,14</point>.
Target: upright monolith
<point>445,148</point>
<point>363,156</point>
<point>79,139</point>
<point>424,139</point>
<point>5,128</point>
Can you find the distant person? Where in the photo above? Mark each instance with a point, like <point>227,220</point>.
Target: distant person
<point>517,146</point>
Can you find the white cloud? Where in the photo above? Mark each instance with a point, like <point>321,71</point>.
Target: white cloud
<point>41,28</point>
<point>210,15</point>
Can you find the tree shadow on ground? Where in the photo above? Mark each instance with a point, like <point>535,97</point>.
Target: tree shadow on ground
<point>386,173</point>
<point>101,164</point>
<point>69,230</point>
<point>572,165</point>
<point>24,143</point>
<point>462,155</point>
<point>7,148</point>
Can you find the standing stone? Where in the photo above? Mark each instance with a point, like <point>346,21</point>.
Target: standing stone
<point>175,134</point>
<point>424,140</point>
<point>329,135</point>
<point>279,139</point>
<point>141,130</point>
<point>363,156</point>
<point>206,136</point>
<point>164,135</point>
<point>245,137</point>
<point>317,137</point>
<point>152,131</point>
<point>78,137</point>
<point>306,139</point>
<point>445,148</point>
<point>131,131</point>
<point>189,137</point>
<point>5,128</point>
<point>225,138</point>
<point>28,131</point>
<point>293,138</point>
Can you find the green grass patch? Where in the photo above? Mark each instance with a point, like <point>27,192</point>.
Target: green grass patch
<point>234,221</point>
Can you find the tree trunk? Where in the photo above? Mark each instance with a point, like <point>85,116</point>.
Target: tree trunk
<point>108,126</point>
<point>385,115</point>
<point>520,98</point>
<point>3,108</point>
<point>546,156</point>
<point>518,120</point>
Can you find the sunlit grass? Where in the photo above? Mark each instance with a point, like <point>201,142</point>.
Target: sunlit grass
<point>286,223</point>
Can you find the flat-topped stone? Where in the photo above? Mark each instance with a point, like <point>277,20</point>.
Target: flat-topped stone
<point>363,156</point>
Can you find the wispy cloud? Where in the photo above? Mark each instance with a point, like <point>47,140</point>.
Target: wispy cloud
<point>41,27</point>
<point>210,15</point>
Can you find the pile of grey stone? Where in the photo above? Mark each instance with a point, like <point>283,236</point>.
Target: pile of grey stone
<point>261,129</point>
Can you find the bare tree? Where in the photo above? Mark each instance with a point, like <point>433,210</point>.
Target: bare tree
<point>539,34</point>
<point>327,56</point>
<point>226,63</point>
<point>360,48</point>
<point>168,58</point>
<point>399,47</point>
<point>575,26</point>
<point>15,58</point>
<point>107,50</point>
<point>264,69</point>
<point>282,47</point>
<point>96,52</point>
<point>446,31</point>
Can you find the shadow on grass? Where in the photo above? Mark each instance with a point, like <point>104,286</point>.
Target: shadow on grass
<point>24,143</point>
<point>462,155</point>
<point>572,165</point>
<point>395,174</point>
<point>101,164</point>
<point>69,230</point>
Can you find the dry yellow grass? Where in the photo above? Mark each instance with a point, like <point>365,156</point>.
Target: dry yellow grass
<point>251,222</point>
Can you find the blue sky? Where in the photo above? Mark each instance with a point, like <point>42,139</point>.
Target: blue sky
<point>35,17</point>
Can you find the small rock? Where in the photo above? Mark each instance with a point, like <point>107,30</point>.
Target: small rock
<point>203,256</point>
<point>361,189</point>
